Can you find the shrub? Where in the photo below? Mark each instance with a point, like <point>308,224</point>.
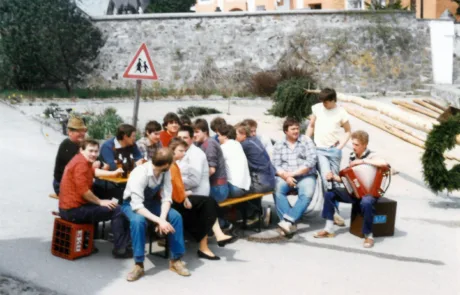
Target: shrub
<point>264,83</point>
<point>197,111</point>
<point>290,99</point>
<point>103,125</point>
<point>46,42</point>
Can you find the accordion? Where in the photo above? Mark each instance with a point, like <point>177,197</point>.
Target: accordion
<point>364,179</point>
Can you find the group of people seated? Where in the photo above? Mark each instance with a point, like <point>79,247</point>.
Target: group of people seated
<point>181,174</point>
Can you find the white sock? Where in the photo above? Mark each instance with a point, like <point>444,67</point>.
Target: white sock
<point>370,236</point>
<point>329,226</point>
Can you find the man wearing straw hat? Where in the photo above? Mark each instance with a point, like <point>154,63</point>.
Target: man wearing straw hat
<point>68,148</point>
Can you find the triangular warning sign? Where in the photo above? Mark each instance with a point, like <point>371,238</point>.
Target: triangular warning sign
<point>141,66</point>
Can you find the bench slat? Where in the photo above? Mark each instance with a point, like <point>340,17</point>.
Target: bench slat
<point>232,201</point>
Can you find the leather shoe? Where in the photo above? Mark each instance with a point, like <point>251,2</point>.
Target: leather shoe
<point>227,241</point>
<point>206,256</point>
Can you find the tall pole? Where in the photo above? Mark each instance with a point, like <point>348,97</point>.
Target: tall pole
<point>136,102</point>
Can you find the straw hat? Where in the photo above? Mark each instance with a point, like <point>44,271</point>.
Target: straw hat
<point>76,123</point>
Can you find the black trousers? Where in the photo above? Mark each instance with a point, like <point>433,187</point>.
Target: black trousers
<point>91,214</point>
<point>199,220</point>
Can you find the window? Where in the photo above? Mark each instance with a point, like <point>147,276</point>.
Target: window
<point>315,6</point>
<point>260,8</point>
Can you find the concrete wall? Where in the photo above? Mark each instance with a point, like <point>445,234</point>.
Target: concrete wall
<point>351,51</point>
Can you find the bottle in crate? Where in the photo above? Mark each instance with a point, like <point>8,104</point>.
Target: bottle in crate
<point>71,240</point>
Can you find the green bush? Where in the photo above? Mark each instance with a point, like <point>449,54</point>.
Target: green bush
<point>197,111</point>
<point>290,99</point>
<point>103,125</point>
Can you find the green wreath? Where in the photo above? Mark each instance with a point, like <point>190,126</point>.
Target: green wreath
<point>440,139</point>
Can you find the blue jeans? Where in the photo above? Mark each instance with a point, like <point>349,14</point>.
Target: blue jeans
<point>219,192</point>
<point>328,160</point>
<point>305,187</point>
<point>235,192</point>
<point>341,195</point>
<point>139,225</point>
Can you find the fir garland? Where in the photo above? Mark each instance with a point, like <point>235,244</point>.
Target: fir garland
<point>435,172</point>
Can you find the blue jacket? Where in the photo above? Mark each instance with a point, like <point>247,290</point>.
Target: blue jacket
<point>111,148</point>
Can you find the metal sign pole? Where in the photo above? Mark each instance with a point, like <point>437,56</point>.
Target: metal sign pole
<point>136,102</point>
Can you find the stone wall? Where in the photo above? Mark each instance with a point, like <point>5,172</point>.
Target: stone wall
<point>351,51</point>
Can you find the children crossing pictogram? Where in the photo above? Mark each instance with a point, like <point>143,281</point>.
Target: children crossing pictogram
<point>141,66</point>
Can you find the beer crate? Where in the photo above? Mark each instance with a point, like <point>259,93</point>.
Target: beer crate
<point>71,240</point>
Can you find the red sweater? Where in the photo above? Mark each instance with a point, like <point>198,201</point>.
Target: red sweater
<point>77,180</point>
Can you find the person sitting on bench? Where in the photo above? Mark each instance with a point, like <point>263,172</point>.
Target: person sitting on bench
<point>78,204</point>
<point>123,146</point>
<point>360,155</point>
<point>68,148</point>
<point>294,159</point>
<point>236,163</point>
<point>140,203</point>
<point>150,143</point>
<point>171,125</point>
<point>198,212</point>
<point>266,141</point>
<point>216,161</point>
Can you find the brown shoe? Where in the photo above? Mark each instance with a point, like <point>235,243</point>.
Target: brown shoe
<point>338,220</point>
<point>135,274</point>
<point>368,243</point>
<point>179,267</point>
<point>323,234</point>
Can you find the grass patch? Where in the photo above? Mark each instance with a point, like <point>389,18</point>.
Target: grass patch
<point>62,93</point>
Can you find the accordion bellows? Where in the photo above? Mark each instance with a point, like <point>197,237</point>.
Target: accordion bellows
<point>362,180</point>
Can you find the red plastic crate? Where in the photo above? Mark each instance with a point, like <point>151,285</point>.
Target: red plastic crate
<point>71,240</point>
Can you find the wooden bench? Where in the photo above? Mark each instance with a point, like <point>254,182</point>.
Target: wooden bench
<point>235,201</point>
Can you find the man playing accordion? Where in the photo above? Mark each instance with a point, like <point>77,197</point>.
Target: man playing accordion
<point>360,155</point>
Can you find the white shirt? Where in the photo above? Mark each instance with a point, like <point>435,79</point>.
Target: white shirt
<point>328,125</point>
<point>141,177</point>
<point>236,164</point>
<point>195,171</point>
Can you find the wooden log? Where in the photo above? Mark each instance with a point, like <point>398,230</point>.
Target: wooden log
<point>415,108</point>
<point>428,106</point>
<point>379,123</point>
<point>390,128</point>
<point>435,104</point>
<point>419,115</point>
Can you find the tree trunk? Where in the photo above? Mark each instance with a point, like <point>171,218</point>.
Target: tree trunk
<point>428,106</point>
<point>415,108</point>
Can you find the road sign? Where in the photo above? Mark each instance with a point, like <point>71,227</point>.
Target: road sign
<point>141,66</point>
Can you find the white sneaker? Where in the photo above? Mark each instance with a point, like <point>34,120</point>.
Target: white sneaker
<point>338,220</point>
<point>285,227</point>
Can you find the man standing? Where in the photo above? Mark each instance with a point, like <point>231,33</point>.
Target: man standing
<point>294,160</point>
<point>216,161</point>
<point>78,204</point>
<point>194,166</point>
<point>331,129</point>
<point>141,204</point>
<point>360,156</point>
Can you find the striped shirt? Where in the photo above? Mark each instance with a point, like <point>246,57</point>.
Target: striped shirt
<point>302,155</point>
